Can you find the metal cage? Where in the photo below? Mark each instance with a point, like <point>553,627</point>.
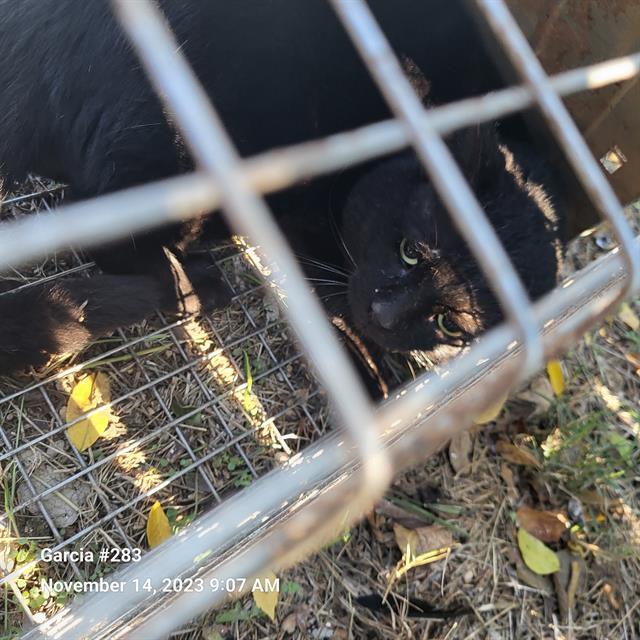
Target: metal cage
<point>290,511</point>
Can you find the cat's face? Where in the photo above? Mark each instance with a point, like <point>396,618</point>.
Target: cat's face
<point>410,286</point>
<point>414,284</point>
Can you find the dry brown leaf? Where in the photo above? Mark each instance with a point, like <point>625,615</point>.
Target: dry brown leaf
<point>290,623</point>
<point>398,514</point>
<point>568,581</point>
<point>564,574</point>
<point>507,475</point>
<point>374,523</point>
<point>540,394</point>
<point>422,540</point>
<point>593,499</point>
<point>566,569</point>
<point>460,449</point>
<point>90,392</point>
<point>517,455</point>
<point>544,525</point>
<point>532,579</point>
<point>528,577</point>
<point>406,539</point>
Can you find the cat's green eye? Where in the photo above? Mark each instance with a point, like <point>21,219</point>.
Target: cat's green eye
<point>443,328</point>
<point>408,253</point>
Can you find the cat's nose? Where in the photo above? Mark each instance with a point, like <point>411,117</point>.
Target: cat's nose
<point>384,313</point>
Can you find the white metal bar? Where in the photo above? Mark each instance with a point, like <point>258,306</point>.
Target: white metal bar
<point>111,216</point>
<point>204,133</point>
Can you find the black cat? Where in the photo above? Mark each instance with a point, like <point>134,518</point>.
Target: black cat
<point>75,105</point>
<point>415,284</point>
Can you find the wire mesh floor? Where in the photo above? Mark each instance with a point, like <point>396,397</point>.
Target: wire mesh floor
<point>200,408</point>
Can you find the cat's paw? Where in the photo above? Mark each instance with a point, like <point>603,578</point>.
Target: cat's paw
<point>208,283</point>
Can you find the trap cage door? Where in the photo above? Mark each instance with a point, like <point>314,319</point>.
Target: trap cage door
<point>567,34</point>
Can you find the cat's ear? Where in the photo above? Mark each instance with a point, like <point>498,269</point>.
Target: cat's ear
<point>414,74</point>
<point>477,152</point>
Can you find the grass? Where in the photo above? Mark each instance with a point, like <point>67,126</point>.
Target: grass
<point>589,454</point>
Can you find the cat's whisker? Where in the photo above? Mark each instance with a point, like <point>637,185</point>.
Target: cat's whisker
<point>322,281</point>
<point>340,238</point>
<point>325,266</point>
<point>333,295</point>
<point>330,285</point>
<point>343,288</point>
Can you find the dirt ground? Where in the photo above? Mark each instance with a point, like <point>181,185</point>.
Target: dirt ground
<point>573,456</point>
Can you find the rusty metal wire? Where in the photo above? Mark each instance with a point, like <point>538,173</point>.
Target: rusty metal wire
<point>342,474</point>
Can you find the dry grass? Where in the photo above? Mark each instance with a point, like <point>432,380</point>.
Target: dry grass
<point>204,407</point>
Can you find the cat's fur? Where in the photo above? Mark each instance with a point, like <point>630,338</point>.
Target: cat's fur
<point>75,105</point>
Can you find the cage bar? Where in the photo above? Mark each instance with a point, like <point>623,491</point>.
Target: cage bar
<point>115,215</point>
<point>565,131</point>
<point>205,135</point>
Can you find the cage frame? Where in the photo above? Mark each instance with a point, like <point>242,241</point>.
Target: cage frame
<point>356,463</point>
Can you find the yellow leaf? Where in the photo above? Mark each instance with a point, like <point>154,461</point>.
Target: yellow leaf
<point>265,593</point>
<point>629,317</point>
<point>158,527</point>
<point>556,377</point>
<point>492,412</point>
<point>536,555</point>
<point>91,392</point>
